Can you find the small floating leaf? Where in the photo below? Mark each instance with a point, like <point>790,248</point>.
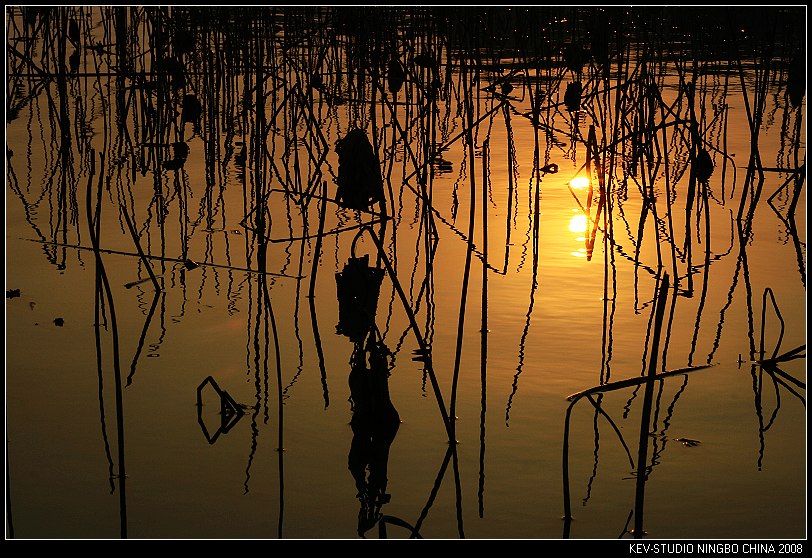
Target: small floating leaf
<point>59,322</point>
<point>12,293</point>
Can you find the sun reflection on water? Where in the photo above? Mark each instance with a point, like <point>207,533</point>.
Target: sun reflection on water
<point>579,182</point>
<point>578,223</point>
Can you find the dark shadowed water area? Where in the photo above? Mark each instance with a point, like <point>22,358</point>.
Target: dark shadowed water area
<point>401,272</point>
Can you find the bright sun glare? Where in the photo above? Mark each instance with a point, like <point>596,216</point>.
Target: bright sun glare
<point>578,223</point>
<point>579,182</point>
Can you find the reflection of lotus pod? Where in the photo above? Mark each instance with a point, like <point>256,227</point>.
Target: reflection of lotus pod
<point>180,150</point>
<point>358,287</point>
<point>316,82</point>
<point>425,61</point>
<point>572,96</point>
<point>396,76</point>
<point>359,172</point>
<point>703,166</point>
<point>174,164</point>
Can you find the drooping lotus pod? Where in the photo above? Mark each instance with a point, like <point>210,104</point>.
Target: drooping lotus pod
<point>359,172</point>
<point>703,165</point>
<point>572,96</point>
<point>396,75</point>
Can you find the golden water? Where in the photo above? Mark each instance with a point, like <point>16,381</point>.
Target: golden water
<point>96,394</point>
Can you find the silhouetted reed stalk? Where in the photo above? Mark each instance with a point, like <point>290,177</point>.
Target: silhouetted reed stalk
<point>534,198</point>
<point>511,166</point>
<point>647,379</point>
<point>484,328</point>
<point>297,304</point>
<point>779,377</point>
<point>312,295</point>
<point>706,270</point>
<point>94,227</point>
<point>595,451</point>
<point>755,113</point>
<point>262,127</point>
<point>669,194</point>
<point>98,311</point>
<point>438,481</point>
<point>458,492</point>
<point>163,260</point>
<point>424,348</point>
<point>466,272</point>
<point>769,292</point>
<point>155,298</point>
<point>645,420</point>
<point>796,179</point>
<point>593,157</point>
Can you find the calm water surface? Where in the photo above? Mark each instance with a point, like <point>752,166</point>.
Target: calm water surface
<point>206,338</point>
